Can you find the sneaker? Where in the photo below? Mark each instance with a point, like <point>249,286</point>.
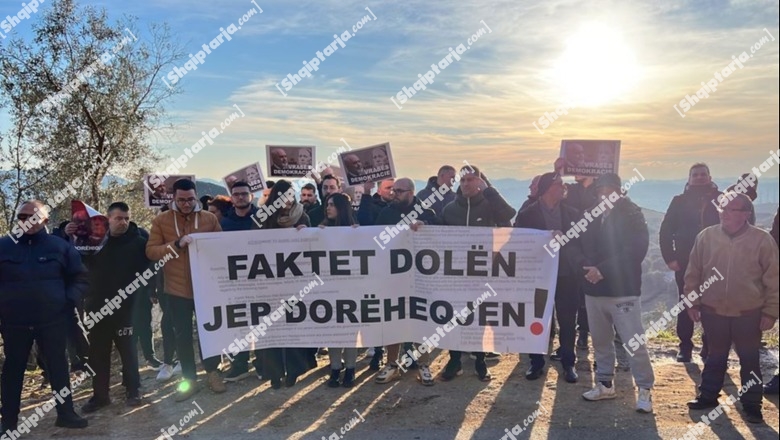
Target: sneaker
<point>154,364</point>
<point>684,356</point>
<point>71,420</point>
<point>186,390</point>
<point>93,405</point>
<point>216,385</point>
<point>388,374</point>
<point>165,374</point>
<point>482,371</point>
<point>600,392</point>
<point>236,375</point>
<point>133,399</point>
<point>424,375</point>
<point>644,401</point>
<point>177,368</point>
<point>451,371</point>
<point>555,355</point>
<point>333,382</point>
<point>349,378</point>
<point>752,413</point>
<point>702,403</point>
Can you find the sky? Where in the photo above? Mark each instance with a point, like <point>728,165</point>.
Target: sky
<point>613,69</point>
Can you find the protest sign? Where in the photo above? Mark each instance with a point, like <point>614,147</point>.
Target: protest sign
<point>91,228</point>
<point>251,174</point>
<point>370,164</point>
<point>334,287</point>
<point>289,161</point>
<point>590,157</point>
<point>158,190</point>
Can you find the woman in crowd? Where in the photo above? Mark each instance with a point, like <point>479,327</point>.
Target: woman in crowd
<point>288,363</point>
<point>338,212</point>
<point>219,206</point>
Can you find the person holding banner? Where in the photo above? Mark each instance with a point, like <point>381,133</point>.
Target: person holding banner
<point>171,234</point>
<point>330,185</point>
<point>371,206</point>
<point>287,363</point>
<point>405,205</point>
<point>477,203</point>
<point>338,213</point>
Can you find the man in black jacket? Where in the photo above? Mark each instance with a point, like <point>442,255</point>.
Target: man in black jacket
<point>615,245</point>
<point>405,209</point>
<point>548,213</point>
<point>371,206</point>
<point>115,274</point>
<point>445,176</point>
<point>476,204</point>
<point>41,279</point>
<point>688,214</point>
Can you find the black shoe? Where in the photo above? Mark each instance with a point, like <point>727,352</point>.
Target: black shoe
<point>134,399</point>
<point>534,373</point>
<point>582,342</point>
<point>349,378</point>
<point>556,356</point>
<point>333,382</point>
<point>773,386</point>
<point>684,356</point>
<point>376,361</point>
<point>290,381</point>
<point>6,429</point>
<point>93,405</point>
<point>700,403</point>
<point>482,371</point>
<point>79,366</point>
<point>570,375</point>
<point>154,363</point>
<point>752,413</point>
<point>276,384</point>
<point>71,421</point>
<point>451,370</point>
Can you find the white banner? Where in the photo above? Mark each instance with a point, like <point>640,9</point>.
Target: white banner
<point>335,287</point>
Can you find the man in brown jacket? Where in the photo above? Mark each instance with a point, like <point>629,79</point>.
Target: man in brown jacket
<point>171,233</point>
<point>736,308</point>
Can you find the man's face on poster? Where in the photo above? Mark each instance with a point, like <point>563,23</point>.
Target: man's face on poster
<point>353,164</point>
<point>252,175</point>
<point>379,157</point>
<point>279,158</point>
<point>304,157</point>
<point>81,219</point>
<point>575,155</point>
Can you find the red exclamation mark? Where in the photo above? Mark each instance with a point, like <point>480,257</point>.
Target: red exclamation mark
<point>540,301</point>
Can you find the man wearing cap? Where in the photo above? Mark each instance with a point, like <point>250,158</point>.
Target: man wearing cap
<point>615,245</point>
<point>548,213</point>
<point>737,309</point>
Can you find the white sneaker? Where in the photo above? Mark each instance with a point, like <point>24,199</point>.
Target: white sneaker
<point>388,374</point>
<point>424,375</point>
<point>177,368</point>
<point>165,374</point>
<point>600,392</point>
<point>644,401</point>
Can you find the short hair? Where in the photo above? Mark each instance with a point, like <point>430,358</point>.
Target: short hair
<point>42,208</point>
<point>269,184</point>
<point>204,201</point>
<point>747,204</point>
<point>122,206</point>
<point>240,184</point>
<point>446,168</point>
<point>184,185</point>
<point>699,165</point>
<point>222,203</point>
<point>332,177</point>
<point>310,187</point>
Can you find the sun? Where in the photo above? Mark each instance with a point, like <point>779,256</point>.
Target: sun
<point>596,68</point>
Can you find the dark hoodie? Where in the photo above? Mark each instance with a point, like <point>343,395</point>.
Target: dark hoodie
<point>487,208</point>
<point>114,268</point>
<point>688,214</point>
<point>432,187</point>
<point>234,222</point>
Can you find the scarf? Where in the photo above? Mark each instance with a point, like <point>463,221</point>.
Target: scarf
<point>291,218</point>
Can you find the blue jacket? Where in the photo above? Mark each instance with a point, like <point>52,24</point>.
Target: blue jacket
<point>234,222</point>
<point>41,279</point>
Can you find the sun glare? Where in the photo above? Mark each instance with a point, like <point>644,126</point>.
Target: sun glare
<point>596,68</point>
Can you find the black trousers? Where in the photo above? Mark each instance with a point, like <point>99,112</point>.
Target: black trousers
<point>684,323</point>
<point>78,347</point>
<point>182,311</point>
<point>293,362</point>
<point>166,328</point>
<point>110,331</point>
<point>17,342</point>
<point>745,333</point>
<point>241,361</point>
<point>142,323</point>
<point>567,304</point>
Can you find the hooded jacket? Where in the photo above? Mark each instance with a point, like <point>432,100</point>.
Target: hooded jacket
<point>749,265</point>
<point>432,187</point>
<point>115,267</point>
<point>616,243</point>
<point>41,279</point>
<point>487,208</point>
<point>688,214</point>
<point>167,228</point>
<point>234,222</point>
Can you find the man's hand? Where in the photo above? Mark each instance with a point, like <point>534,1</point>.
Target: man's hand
<point>594,274</point>
<point>367,187</point>
<point>299,227</point>
<point>416,225</point>
<point>71,228</point>
<point>767,322</point>
<point>673,265</point>
<point>694,314</point>
<point>482,185</point>
<point>559,164</point>
<point>184,241</point>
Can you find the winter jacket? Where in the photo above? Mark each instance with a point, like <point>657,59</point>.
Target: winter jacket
<point>369,209</point>
<point>617,245</point>
<point>41,279</point>
<point>749,265</point>
<point>234,222</point>
<point>392,214</point>
<point>167,228</point>
<point>580,197</point>
<point>487,208</point>
<point>431,188</point>
<point>528,202</point>
<point>113,268</point>
<point>571,257</point>
<point>688,214</point>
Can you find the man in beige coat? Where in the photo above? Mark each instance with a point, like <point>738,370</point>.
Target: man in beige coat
<point>171,234</point>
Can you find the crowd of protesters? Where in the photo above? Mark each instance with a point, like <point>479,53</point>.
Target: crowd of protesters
<point>46,286</point>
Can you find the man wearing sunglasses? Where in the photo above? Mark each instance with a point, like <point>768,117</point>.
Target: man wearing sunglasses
<point>41,280</point>
<point>172,232</point>
<point>737,309</point>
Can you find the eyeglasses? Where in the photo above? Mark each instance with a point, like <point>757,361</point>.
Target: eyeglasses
<point>183,201</point>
